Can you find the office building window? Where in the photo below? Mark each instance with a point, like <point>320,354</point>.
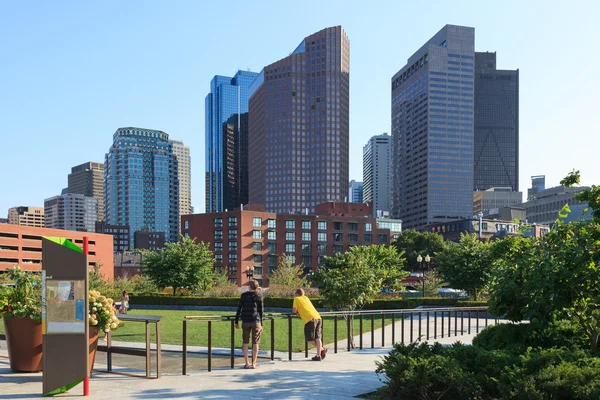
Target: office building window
<point>337,237</point>
<point>306,236</point>
<point>322,225</point>
<point>290,236</point>
<point>368,238</point>
<point>233,234</point>
<point>218,222</point>
<point>322,248</point>
<point>322,237</point>
<point>257,246</point>
<point>290,248</point>
<point>257,234</point>
<point>368,227</point>
<point>272,247</point>
<point>338,226</point>
<point>272,223</point>
<point>290,224</point>
<point>232,221</point>
<point>218,235</point>
<point>337,248</point>
<point>352,237</point>
<point>352,226</point>
<point>256,222</point>
<point>272,235</point>
<point>306,224</point>
<point>258,258</point>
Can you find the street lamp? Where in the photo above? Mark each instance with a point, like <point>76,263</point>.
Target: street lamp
<point>249,272</point>
<point>420,261</point>
<point>480,215</point>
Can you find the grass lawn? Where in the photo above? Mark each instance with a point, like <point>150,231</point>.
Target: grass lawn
<point>171,327</point>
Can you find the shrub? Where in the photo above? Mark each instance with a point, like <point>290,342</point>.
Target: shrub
<point>518,337</point>
<point>466,372</point>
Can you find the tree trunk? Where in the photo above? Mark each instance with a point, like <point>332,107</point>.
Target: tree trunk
<point>174,290</point>
<point>594,340</point>
<point>475,294</point>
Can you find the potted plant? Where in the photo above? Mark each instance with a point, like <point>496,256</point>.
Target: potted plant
<point>21,311</point>
<point>102,315</point>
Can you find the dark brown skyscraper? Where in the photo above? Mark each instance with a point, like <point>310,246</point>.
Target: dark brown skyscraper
<point>298,126</point>
<point>88,179</point>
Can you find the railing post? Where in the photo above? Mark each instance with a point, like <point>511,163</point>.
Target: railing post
<point>335,335</point>
<point>427,324</point>
<point>442,319</point>
<point>232,344</point>
<point>148,352</point>
<point>109,351</point>
<point>383,329</point>
<point>477,321</point>
<point>184,340</point>
<point>402,327</point>
<point>289,337</point>
<point>420,333</point>
<point>361,331</point>
<point>449,323</point>
<point>469,322</point>
<point>209,346</point>
<point>372,331</point>
<point>305,349</point>
<point>486,317</point>
<point>411,326</point>
<point>393,329</point>
<point>435,324</point>
<point>455,322</point>
<point>272,339</point>
<point>158,351</point>
<point>348,331</point>
<point>462,322</point>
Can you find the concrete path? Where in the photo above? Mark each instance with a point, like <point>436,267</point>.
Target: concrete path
<point>340,376</point>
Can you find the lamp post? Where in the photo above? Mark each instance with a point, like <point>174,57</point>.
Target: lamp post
<point>426,268</point>
<point>249,272</point>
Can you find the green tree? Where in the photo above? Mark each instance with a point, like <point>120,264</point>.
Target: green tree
<point>557,277</point>
<point>413,244</point>
<point>466,265</point>
<point>287,274</point>
<point>99,282</point>
<point>183,264</point>
<point>349,281</point>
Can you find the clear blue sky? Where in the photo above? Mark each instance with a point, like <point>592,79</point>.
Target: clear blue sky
<point>71,73</point>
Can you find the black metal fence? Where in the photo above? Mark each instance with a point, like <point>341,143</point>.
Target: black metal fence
<point>414,325</point>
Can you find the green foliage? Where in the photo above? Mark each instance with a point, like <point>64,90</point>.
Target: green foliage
<point>467,264</point>
<point>572,179</point>
<point>413,244</point>
<point>24,299</point>
<point>518,337</point>
<point>349,281</point>
<point>183,264</point>
<point>136,283</point>
<point>470,372</point>
<point>287,274</point>
<point>99,282</point>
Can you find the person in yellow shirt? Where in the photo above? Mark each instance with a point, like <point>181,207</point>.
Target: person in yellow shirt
<point>313,325</point>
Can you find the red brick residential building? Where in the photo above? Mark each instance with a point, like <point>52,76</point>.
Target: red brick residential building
<point>22,246</point>
<point>254,238</point>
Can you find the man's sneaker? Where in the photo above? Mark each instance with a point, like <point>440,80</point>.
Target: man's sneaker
<point>316,358</point>
<point>323,353</point>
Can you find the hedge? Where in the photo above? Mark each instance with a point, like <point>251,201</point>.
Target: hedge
<point>156,299</point>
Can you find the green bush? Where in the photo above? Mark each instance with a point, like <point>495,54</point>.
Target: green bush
<point>470,372</point>
<point>518,337</point>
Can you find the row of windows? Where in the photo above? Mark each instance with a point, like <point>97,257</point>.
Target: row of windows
<point>306,237</point>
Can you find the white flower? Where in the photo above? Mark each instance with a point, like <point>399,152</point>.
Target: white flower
<point>113,326</point>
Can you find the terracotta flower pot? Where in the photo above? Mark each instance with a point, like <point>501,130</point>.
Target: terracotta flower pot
<point>24,342</point>
<point>94,332</point>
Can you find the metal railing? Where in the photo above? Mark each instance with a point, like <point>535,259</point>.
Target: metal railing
<point>438,317</point>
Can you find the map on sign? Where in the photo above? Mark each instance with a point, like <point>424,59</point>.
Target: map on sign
<point>65,306</point>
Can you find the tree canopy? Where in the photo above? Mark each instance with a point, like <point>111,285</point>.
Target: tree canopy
<point>466,265</point>
<point>183,264</point>
<point>287,274</point>
<point>348,281</point>
<point>413,244</point>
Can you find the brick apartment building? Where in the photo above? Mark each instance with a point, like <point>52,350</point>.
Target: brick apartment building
<point>22,246</point>
<point>254,238</point>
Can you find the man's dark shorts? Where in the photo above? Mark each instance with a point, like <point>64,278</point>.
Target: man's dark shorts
<point>313,330</point>
<point>251,327</point>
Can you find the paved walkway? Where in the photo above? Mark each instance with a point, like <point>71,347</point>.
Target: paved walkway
<point>340,376</point>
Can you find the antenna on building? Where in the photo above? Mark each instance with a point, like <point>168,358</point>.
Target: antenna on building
<point>241,207</point>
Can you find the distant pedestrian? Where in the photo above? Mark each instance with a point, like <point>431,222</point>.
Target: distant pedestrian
<point>313,325</point>
<point>124,302</point>
<point>250,310</point>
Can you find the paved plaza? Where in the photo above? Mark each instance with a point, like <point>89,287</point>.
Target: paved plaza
<point>340,376</point>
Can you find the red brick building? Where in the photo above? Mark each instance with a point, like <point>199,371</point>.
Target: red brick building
<point>22,246</point>
<point>254,238</point>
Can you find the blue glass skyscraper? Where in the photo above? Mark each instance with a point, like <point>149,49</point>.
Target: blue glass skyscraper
<point>141,185</point>
<point>228,96</point>
<point>432,131</point>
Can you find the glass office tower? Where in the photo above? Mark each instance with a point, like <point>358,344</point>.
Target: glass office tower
<point>376,173</point>
<point>432,131</point>
<point>141,184</point>
<point>496,116</point>
<point>299,126</point>
<point>228,96</point>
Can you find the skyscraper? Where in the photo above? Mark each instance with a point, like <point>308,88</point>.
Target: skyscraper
<point>71,211</point>
<point>432,130</point>
<point>298,126</point>
<point>184,174</point>
<point>141,182</point>
<point>356,192</point>
<point>376,172</point>
<point>26,216</point>
<point>235,156</point>
<point>228,96</point>
<point>88,179</point>
<point>496,162</point>
<point>538,184</point>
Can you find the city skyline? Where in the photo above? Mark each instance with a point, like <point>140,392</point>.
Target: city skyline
<point>170,93</point>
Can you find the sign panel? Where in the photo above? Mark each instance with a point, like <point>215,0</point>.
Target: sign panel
<point>65,301</point>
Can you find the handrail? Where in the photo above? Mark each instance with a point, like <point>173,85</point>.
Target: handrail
<point>443,314</point>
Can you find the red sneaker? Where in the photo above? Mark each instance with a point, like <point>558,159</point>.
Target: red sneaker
<point>316,358</point>
<point>323,352</point>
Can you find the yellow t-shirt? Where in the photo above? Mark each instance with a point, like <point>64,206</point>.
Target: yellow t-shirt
<point>306,309</point>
